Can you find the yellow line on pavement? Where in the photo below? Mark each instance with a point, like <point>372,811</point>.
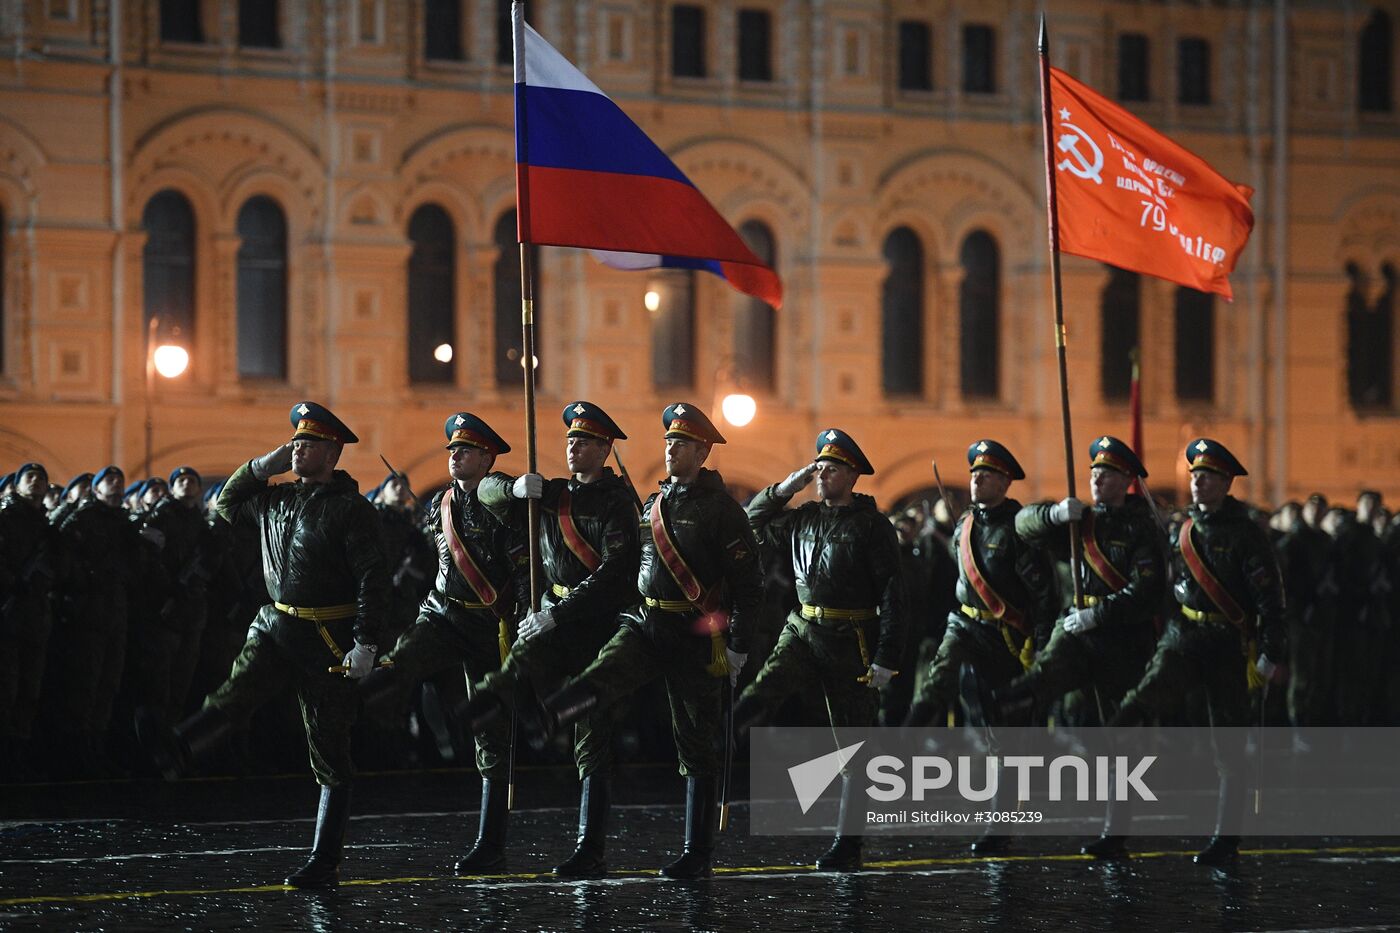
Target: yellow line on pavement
<point>736,870</point>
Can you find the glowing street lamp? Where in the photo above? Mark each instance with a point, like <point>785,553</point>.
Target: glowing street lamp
<point>171,360</point>
<point>739,408</point>
<point>443,353</point>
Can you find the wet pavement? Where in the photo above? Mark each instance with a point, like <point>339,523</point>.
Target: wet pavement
<point>210,855</point>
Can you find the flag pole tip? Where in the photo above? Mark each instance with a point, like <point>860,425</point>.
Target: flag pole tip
<point>1044,35</point>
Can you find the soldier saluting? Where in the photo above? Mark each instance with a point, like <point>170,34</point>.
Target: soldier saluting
<point>590,550</point>
<point>325,572</point>
<point>482,581</point>
<point>1229,594</point>
<point>848,632</point>
<point>702,585</point>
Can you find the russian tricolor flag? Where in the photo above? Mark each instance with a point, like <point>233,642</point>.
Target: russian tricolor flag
<point>587,176</point>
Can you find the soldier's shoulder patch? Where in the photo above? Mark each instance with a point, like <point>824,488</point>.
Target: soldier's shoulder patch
<point>738,550</point>
<point>1146,567</point>
<point>614,539</point>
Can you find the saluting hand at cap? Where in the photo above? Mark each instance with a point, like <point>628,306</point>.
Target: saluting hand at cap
<point>797,480</point>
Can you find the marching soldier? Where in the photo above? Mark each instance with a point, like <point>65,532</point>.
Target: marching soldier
<point>590,551</point>
<point>483,580</point>
<point>1104,645</point>
<point>848,633</point>
<point>325,572</point>
<point>1007,592</point>
<point>701,583</point>
<point>1230,598</point>
<point>28,565</point>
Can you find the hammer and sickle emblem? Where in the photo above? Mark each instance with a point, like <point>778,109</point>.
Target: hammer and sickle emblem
<point>1079,163</point>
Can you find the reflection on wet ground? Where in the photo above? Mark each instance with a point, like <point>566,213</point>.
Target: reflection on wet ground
<point>210,854</point>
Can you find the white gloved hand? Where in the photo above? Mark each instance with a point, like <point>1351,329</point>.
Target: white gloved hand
<point>536,623</point>
<point>528,486</point>
<point>736,664</point>
<point>1082,620</point>
<point>1066,510</point>
<point>359,660</point>
<point>1265,667</point>
<point>153,535</point>
<point>879,676</point>
<point>273,463</point>
<point>797,481</point>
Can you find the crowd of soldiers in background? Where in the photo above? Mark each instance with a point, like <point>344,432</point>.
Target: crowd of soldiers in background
<point>117,596</point>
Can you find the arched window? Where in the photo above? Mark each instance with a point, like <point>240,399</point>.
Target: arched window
<point>902,314</point>
<point>442,30</point>
<point>1119,314</point>
<point>979,316</point>
<point>1374,74</point>
<point>432,342</point>
<point>506,277</point>
<point>1195,345</point>
<point>753,325</point>
<point>257,24</point>
<point>1370,330</point>
<point>673,330</point>
<point>167,265</point>
<point>262,289</point>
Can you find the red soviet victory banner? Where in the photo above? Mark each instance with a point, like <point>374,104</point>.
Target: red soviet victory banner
<point>1130,197</point>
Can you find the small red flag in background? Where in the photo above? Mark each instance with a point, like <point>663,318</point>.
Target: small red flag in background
<point>1131,197</point>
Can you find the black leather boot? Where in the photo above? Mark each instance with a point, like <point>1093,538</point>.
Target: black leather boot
<point>700,794</point>
<point>976,696</point>
<point>845,851</point>
<point>1113,843</point>
<point>175,752</point>
<point>322,870</point>
<point>992,842</point>
<point>1224,846</point>
<point>489,853</point>
<point>588,860</point>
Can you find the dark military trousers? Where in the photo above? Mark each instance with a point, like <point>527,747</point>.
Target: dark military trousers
<point>1208,655</point>
<point>984,645</point>
<point>1104,662</point>
<point>547,660</point>
<point>813,655</point>
<point>329,702</point>
<point>26,630</point>
<point>88,654</point>
<point>1311,671</point>
<point>191,609</point>
<point>1359,648</point>
<point>664,644</point>
<point>440,639</point>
